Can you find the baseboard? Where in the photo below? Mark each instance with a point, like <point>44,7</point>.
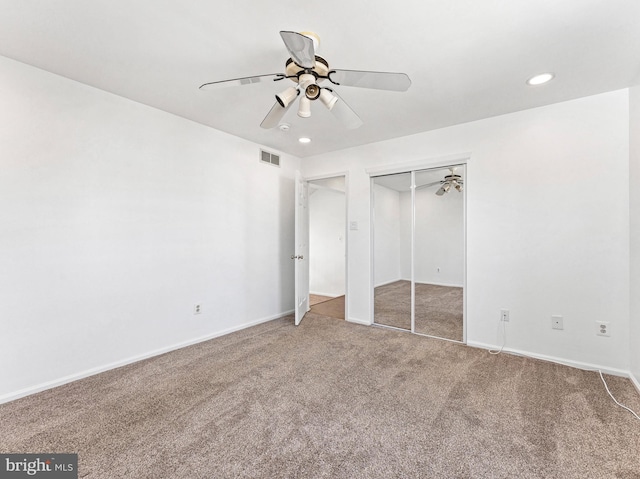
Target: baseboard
<point>117,364</point>
<point>635,381</point>
<point>553,359</point>
<point>449,285</point>
<point>359,321</point>
<point>390,282</point>
<point>330,295</point>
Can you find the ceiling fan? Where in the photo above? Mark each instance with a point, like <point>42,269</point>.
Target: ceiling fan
<point>311,74</point>
<point>452,180</point>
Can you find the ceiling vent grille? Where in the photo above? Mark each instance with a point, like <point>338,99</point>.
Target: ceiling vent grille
<point>270,158</point>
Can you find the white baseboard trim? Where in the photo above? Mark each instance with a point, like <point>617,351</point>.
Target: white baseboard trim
<point>635,381</point>
<point>418,282</point>
<point>450,285</point>
<point>359,321</point>
<point>390,282</point>
<point>554,359</point>
<point>12,396</point>
<point>331,295</point>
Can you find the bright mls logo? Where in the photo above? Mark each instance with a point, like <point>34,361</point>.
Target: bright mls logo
<point>46,466</point>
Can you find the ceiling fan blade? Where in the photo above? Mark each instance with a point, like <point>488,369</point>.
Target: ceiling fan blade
<point>300,48</point>
<point>214,85</point>
<point>376,80</point>
<point>274,116</point>
<point>441,191</point>
<point>345,114</point>
<point>429,184</point>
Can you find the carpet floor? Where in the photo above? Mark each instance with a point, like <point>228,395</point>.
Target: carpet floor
<point>439,309</point>
<point>333,399</point>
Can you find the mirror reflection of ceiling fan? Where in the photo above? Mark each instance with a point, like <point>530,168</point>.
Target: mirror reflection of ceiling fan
<point>451,180</point>
<point>313,79</point>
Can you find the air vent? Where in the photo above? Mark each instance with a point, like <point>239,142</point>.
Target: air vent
<point>270,158</point>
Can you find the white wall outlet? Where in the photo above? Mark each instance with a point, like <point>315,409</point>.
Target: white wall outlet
<point>557,322</point>
<point>504,315</point>
<point>603,328</point>
<point>353,225</point>
<point>197,308</point>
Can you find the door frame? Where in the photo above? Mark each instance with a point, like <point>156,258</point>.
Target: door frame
<point>326,176</point>
<point>459,159</point>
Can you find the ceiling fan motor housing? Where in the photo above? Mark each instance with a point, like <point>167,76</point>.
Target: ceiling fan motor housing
<point>294,71</point>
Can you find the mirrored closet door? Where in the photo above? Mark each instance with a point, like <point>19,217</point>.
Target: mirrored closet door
<point>419,251</point>
<point>438,261</point>
<point>392,260</point>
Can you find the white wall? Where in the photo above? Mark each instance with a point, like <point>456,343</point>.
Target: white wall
<point>115,219</point>
<point>547,224</point>
<point>387,236</point>
<point>634,214</point>
<point>439,237</point>
<point>327,219</point>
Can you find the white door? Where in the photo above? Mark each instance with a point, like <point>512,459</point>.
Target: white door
<point>301,255</point>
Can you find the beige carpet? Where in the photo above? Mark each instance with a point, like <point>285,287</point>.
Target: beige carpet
<point>333,399</point>
<point>439,309</point>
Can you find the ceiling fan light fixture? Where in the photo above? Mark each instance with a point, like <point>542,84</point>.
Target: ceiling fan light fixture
<point>287,96</point>
<point>312,92</point>
<point>459,187</point>
<point>327,98</point>
<point>304,110</point>
<point>306,79</point>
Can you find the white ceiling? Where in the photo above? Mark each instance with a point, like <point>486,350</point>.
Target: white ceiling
<point>467,59</point>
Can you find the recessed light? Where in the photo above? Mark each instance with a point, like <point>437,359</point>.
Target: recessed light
<point>540,79</point>
<point>304,140</point>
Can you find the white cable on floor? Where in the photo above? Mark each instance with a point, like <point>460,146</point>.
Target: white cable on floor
<point>504,339</point>
<point>614,399</point>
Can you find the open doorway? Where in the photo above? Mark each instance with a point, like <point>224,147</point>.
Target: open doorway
<point>327,246</point>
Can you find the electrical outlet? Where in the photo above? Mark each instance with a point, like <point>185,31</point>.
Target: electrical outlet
<point>602,328</point>
<point>557,322</point>
<point>504,315</point>
<point>197,308</point>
